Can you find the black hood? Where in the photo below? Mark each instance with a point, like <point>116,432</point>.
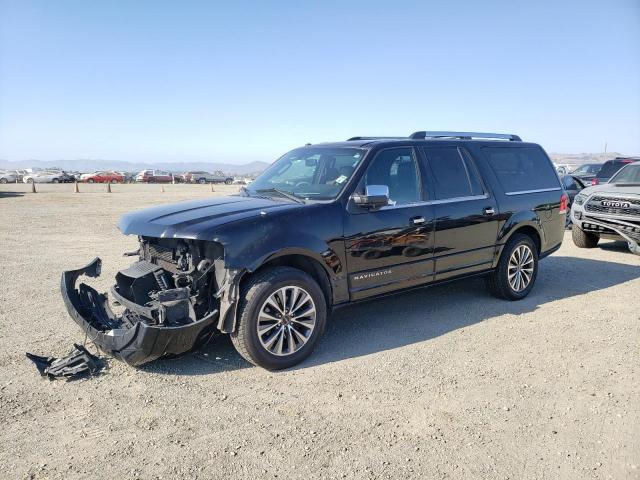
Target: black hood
<point>197,219</point>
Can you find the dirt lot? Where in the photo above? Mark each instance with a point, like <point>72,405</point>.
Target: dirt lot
<point>446,382</point>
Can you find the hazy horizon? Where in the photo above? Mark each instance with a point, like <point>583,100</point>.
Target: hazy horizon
<point>241,82</point>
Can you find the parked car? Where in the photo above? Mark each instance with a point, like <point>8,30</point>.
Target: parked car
<point>204,177</point>
<point>324,226</point>
<point>103,177</point>
<point>7,176</point>
<point>610,168</point>
<point>587,172</point>
<point>45,176</point>
<point>154,176</point>
<point>610,210</point>
<point>572,185</point>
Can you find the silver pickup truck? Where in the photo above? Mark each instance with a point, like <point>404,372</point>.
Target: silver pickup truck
<point>610,210</point>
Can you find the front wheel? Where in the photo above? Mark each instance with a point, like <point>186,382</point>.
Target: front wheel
<point>583,239</point>
<point>228,181</point>
<point>202,181</point>
<point>55,180</point>
<point>281,317</point>
<point>517,269</point>
<point>3,180</point>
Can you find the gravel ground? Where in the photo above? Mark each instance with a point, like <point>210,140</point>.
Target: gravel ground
<point>446,382</point>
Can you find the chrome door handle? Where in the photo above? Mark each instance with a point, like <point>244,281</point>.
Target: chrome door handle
<point>417,220</point>
<point>489,211</point>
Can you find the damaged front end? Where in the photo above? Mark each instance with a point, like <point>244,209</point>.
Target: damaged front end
<point>167,302</point>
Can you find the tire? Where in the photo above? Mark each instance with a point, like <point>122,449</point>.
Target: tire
<point>55,180</point>
<point>29,180</point>
<point>583,239</point>
<point>228,181</point>
<point>499,283</point>
<point>202,181</point>
<point>91,180</point>
<point>3,180</point>
<point>254,296</point>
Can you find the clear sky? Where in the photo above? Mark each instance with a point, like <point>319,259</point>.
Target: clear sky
<point>239,81</point>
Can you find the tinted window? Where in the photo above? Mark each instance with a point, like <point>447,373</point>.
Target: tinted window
<point>397,169</point>
<point>521,168</point>
<point>453,176</point>
<point>610,168</point>
<point>569,183</point>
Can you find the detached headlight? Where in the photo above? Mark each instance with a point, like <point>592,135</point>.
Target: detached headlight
<point>580,199</point>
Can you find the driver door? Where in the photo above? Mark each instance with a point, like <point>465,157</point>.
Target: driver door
<point>391,247</point>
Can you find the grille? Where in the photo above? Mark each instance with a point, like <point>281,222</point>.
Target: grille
<point>595,207</point>
<point>633,201</point>
<point>612,210</point>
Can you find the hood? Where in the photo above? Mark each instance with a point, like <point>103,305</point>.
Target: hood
<point>612,189</point>
<point>197,219</point>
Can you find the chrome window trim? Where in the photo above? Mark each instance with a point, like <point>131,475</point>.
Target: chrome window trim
<point>435,202</point>
<point>539,190</point>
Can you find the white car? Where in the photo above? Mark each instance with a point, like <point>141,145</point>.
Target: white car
<point>7,177</point>
<point>43,177</point>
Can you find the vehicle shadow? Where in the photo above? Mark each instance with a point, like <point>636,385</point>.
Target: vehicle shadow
<point>419,315</point>
<point>11,194</point>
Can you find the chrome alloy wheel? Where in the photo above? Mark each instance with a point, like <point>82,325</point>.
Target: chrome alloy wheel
<point>286,320</point>
<point>520,269</point>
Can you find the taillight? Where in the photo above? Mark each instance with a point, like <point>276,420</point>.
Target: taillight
<point>564,202</point>
<point>595,181</point>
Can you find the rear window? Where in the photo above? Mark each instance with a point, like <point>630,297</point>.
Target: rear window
<point>521,169</point>
<point>610,168</point>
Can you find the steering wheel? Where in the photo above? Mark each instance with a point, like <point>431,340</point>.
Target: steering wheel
<point>302,184</point>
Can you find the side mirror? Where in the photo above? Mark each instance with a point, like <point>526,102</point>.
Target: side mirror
<point>375,196</point>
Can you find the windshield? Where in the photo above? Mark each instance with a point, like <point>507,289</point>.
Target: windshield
<point>629,174</point>
<point>310,172</point>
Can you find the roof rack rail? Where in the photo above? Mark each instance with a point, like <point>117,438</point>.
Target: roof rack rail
<point>373,138</point>
<point>465,135</point>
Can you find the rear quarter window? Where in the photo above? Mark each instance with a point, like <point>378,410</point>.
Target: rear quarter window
<point>521,169</point>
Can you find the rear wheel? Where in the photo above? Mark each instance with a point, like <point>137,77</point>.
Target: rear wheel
<point>91,180</point>
<point>202,181</point>
<point>228,181</point>
<point>517,269</point>
<point>584,239</point>
<point>3,180</point>
<point>55,180</point>
<point>281,317</point>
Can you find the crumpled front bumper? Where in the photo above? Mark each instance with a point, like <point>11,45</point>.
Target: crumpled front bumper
<point>135,345</point>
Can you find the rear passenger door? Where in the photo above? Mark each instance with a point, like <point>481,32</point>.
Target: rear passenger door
<point>466,214</point>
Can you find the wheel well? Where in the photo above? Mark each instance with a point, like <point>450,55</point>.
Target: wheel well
<point>531,232</point>
<point>310,266</point>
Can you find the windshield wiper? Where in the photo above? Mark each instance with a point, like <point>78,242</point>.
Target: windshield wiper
<point>282,193</point>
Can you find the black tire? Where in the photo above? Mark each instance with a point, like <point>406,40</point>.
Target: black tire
<point>253,295</point>
<point>202,181</point>
<point>55,180</point>
<point>91,180</point>
<point>3,180</point>
<point>498,281</point>
<point>228,181</point>
<point>29,180</point>
<point>583,239</point>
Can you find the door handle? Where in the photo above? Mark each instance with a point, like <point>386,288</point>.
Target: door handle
<point>417,220</point>
<point>488,211</point>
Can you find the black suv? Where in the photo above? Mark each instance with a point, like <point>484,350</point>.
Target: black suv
<point>324,226</point>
